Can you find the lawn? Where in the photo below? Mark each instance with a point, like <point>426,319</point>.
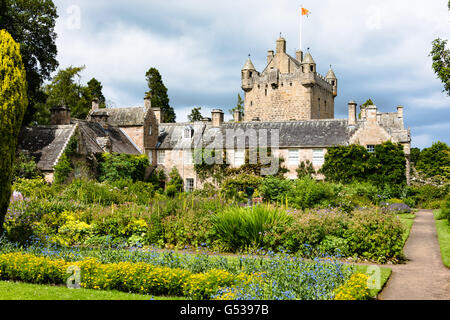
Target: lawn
<point>385,273</point>
<point>24,291</point>
<point>443,231</point>
<point>407,220</point>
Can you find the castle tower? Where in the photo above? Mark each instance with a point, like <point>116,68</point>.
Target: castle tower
<point>288,89</point>
<point>331,78</point>
<point>248,72</point>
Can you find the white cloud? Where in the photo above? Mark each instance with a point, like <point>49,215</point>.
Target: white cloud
<point>379,47</point>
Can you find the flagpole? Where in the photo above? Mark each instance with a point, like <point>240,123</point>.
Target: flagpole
<point>301,26</point>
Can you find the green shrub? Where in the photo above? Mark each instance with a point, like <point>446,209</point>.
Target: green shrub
<point>309,193</point>
<point>275,189</point>
<point>32,188</point>
<point>375,236</point>
<point>241,228</point>
<point>114,167</point>
<point>233,185</point>
<point>26,168</point>
<point>445,209</point>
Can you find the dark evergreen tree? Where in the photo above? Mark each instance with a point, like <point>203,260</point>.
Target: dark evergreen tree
<point>158,95</point>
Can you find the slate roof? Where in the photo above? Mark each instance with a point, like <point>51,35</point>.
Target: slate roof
<point>292,134</point>
<point>123,117</point>
<point>119,141</point>
<point>45,143</point>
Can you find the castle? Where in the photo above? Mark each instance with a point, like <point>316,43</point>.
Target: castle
<point>288,88</point>
<point>288,103</point>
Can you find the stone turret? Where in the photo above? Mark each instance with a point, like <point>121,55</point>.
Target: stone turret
<point>248,74</point>
<point>308,64</point>
<point>331,78</point>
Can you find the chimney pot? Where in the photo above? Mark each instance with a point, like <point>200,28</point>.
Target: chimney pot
<point>217,117</point>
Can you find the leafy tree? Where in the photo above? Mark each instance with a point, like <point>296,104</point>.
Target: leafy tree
<point>158,95</point>
<point>66,89</point>
<point>441,61</point>
<point>13,103</point>
<point>32,24</point>
<point>435,161</point>
<point>195,115</point>
<point>239,105</point>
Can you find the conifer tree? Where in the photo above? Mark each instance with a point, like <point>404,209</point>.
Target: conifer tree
<point>13,104</point>
<point>158,95</point>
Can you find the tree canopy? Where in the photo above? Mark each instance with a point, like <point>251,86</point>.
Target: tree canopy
<point>195,115</point>
<point>13,104</point>
<point>441,61</point>
<point>32,24</point>
<point>435,161</point>
<point>158,95</point>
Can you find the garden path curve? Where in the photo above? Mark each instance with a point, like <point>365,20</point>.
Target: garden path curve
<point>423,277</point>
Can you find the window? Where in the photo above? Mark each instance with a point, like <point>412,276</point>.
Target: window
<point>371,148</point>
<point>318,157</point>
<point>150,157</point>
<point>188,157</point>
<point>161,156</point>
<point>293,157</point>
<point>239,158</point>
<point>265,92</point>
<point>188,132</point>
<point>189,185</point>
<point>311,68</point>
<point>150,130</point>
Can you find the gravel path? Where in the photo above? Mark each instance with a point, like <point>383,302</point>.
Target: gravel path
<point>423,277</point>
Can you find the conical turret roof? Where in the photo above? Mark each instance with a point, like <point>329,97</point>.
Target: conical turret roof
<point>330,74</point>
<point>308,59</point>
<point>249,65</point>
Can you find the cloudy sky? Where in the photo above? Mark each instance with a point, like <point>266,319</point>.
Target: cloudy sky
<point>378,49</point>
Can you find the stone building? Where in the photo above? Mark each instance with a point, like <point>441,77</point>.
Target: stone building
<point>288,88</point>
<point>289,107</point>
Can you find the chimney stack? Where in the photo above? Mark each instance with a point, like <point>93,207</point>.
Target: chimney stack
<point>400,112</point>
<point>269,56</point>
<point>217,117</point>
<point>95,104</point>
<point>59,116</point>
<point>158,114</point>
<point>371,113</point>
<point>352,113</point>
<point>299,56</point>
<point>237,115</point>
<point>147,104</point>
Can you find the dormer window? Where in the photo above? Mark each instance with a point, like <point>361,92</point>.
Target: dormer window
<point>188,132</point>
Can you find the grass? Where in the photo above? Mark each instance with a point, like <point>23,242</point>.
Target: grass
<point>443,231</point>
<point>25,291</point>
<point>407,220</point>
<point>385,273</point>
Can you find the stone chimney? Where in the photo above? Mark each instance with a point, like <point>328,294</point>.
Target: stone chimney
<point>59,116</point>
<point>147,104</point>
<point>299,56</point>
<point>217,117</point>
<point>400,112</point>
<point>371,113</point>
<point>352,113</point>
<point>281,45</point>
<point>158,114</point>
<point>95,104</point>
<point>101,117</point>
<point>237,116</point>
<point>269,56</point>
